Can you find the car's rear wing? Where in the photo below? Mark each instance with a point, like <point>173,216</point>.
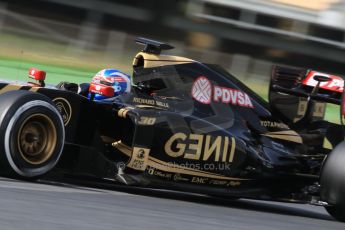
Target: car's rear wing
<point>301,82</point>
<point>292,88</point>
<point>334,84</point>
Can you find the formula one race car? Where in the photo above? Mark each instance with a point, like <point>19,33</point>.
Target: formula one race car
<point>185,126</point>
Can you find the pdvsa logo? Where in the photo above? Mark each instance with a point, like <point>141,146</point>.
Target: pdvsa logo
<point>204,92</point>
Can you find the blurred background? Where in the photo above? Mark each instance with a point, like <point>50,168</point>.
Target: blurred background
<point>73,39</point>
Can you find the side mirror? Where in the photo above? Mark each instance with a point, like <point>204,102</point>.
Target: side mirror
<point>38,75</point>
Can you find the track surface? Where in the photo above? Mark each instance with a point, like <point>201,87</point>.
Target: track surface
<point>61,206</point>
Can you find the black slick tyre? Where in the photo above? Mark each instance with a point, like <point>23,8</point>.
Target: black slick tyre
<point>31,134</point>
<point>333,182</point>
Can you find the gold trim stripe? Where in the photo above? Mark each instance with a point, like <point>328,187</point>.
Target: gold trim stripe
<point>291,138</point>
<point>153,60</point>
<point>168,60</point>
<point>34,89</point>
<point>145,106</point>
<point>188,172</point>
<point>8,88</point>
<point>123,148</point>
<point>287,135</point>
<point>165,166</point>
<point>128,152</point>
<point>286,132</point>
<point>327,144</point>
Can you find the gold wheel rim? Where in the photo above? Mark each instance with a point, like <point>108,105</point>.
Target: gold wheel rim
<point>37,138</point>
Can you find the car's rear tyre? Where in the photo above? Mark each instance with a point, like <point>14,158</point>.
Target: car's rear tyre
<point>337,212</point>
<point>333,182</point>
<point>31,134</point>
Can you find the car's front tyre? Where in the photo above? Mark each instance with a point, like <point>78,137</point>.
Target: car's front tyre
<point>31,134</point>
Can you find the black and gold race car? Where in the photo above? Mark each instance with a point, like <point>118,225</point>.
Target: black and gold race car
<point>185,126</point>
